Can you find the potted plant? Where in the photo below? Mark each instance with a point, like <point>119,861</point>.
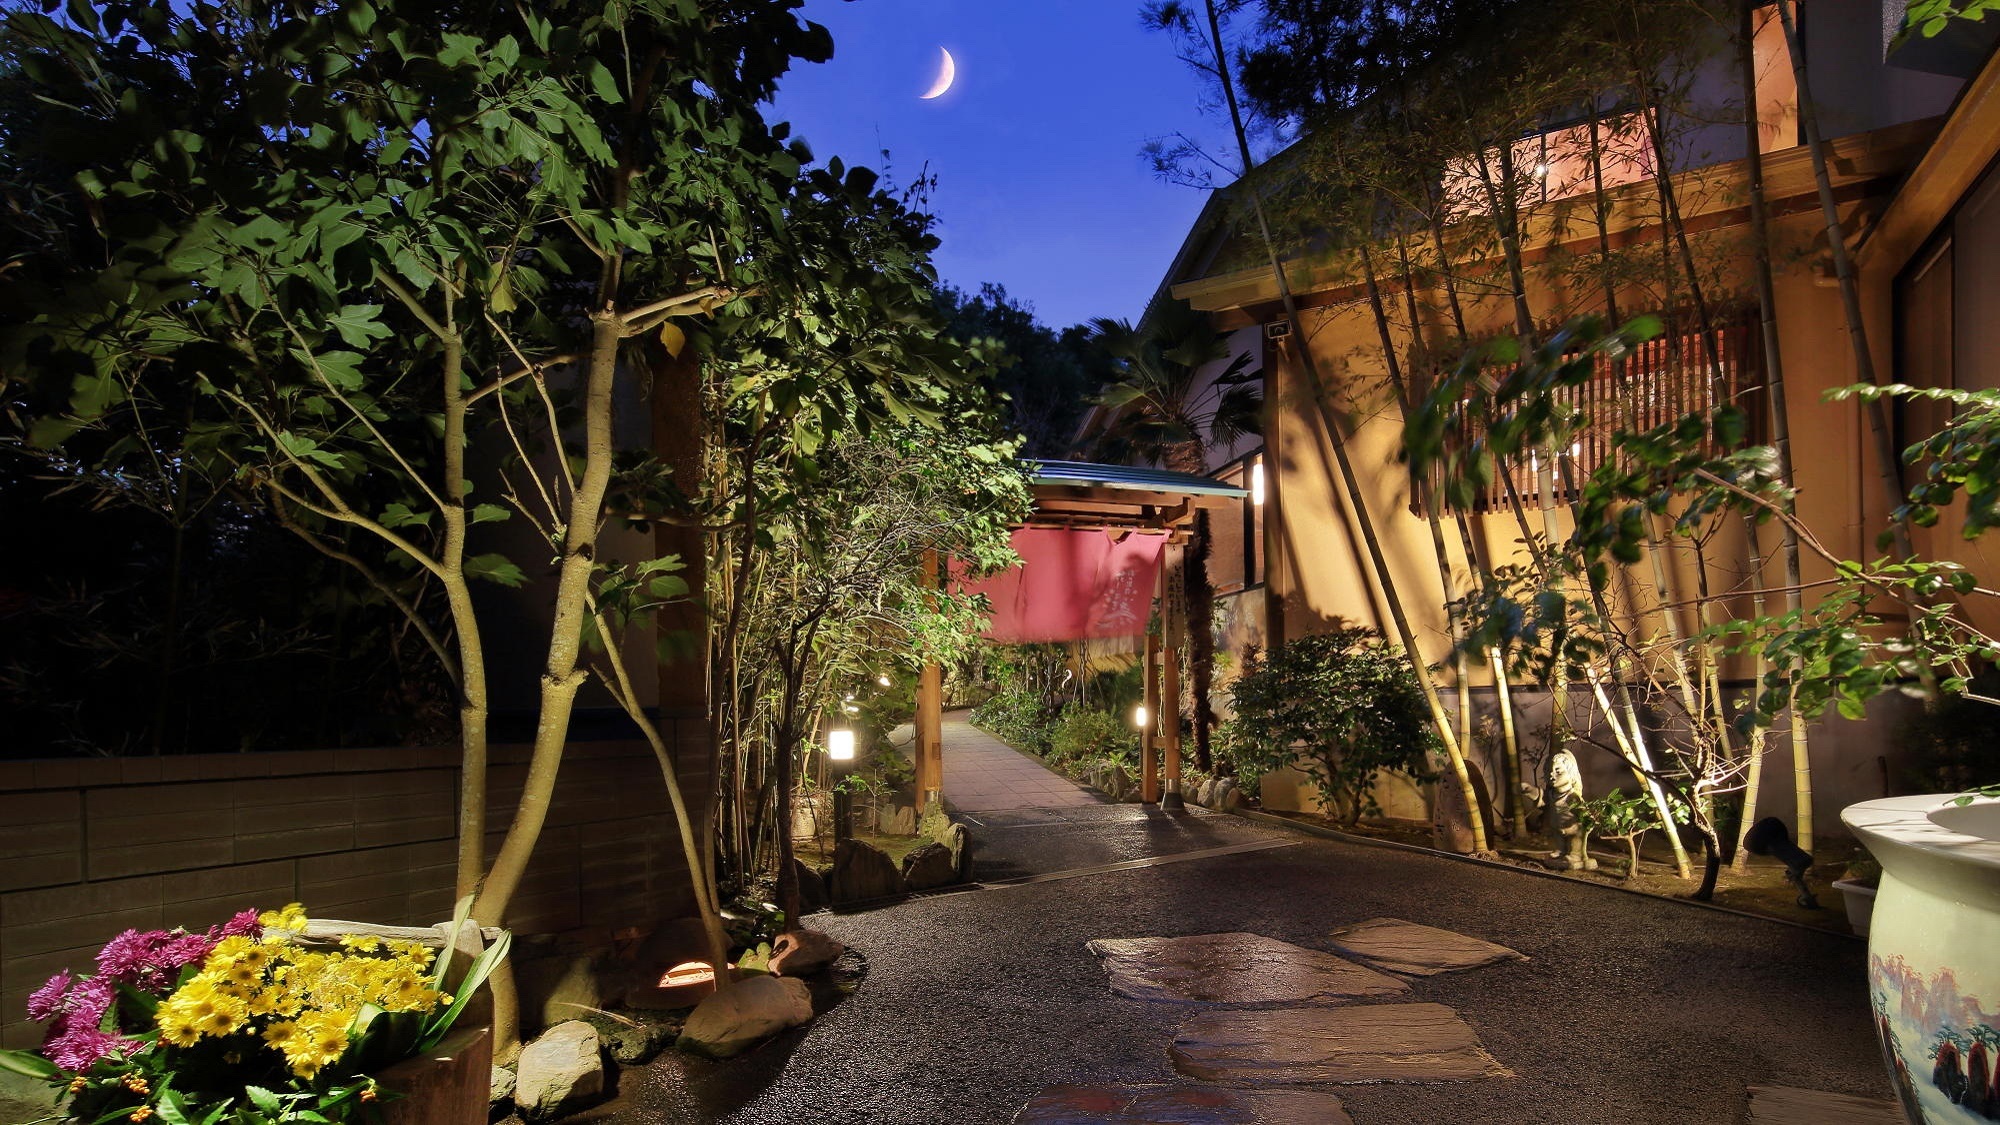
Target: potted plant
<point>252,1022</point>
<point>1857,889</point>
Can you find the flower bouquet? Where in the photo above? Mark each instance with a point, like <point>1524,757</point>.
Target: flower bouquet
<point>246,1023</point>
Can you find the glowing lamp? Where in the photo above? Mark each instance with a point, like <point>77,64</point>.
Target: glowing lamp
<point>686,983</point>
<point>1257,483</point>
<point>840,745</point>
<point>883,680</point>
<point>1139,716</point>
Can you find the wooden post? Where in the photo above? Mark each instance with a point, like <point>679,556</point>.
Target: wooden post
<point>1149,752</point>
<point>929,721</point>
<point>1171,626</point>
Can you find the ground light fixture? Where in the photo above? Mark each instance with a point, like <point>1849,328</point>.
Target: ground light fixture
<point>1257,483</point>
<point>883,679</point>
<point>840,751</point>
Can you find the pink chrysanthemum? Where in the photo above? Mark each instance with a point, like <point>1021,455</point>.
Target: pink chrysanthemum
<point>243,925</point>
<point>48,999</point>
<point>81,1048</point>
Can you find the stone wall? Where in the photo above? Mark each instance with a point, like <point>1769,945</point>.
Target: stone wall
<point>90,848</point>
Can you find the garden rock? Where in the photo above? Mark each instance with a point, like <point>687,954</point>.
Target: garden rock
<point>501,1087</point>
<point>633,1045</point>
<point>1451,826</point>
<point>1205,795</point>
<point>930,865</point>
<point>559,1072</point>
<point>1227,795</point>
<point>959,839</point>
<point>812,886</point>
<point>745,1013</point>
<point>801,953</point>
<point>862,872</point>
<point>899,820</point>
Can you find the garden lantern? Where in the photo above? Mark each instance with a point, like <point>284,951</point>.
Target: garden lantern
<point>1139,716</point>
<point>840,751</point>
<point>1257,483</point>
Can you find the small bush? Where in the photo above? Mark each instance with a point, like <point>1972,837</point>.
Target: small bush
<point>1342,706</point>
<point>1085,734</point>
<point>1018,718</point>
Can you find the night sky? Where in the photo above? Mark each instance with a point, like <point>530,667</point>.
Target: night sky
<point>1036,145</point>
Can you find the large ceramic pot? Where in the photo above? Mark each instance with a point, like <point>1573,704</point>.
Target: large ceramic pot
<point>1934,952</point>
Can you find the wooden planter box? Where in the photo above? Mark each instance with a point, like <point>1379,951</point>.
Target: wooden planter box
<point>449,1086</point>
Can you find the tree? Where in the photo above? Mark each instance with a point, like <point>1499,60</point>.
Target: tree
<point>392,245</point>
<point>1047,377</point>
<point>1341,704</point>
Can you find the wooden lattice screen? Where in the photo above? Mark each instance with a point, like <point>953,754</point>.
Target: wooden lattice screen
<point>1661,381</point>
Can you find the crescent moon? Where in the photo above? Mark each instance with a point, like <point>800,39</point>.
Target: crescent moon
<point>947,71</point>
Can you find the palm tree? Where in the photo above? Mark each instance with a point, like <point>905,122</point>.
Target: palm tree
<point>1162,407</point>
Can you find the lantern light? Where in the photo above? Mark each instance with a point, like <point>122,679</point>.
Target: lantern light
<point>840,744</point>
<point>1139,716</point>
<point>1257,483</point>
<point>883,679</point>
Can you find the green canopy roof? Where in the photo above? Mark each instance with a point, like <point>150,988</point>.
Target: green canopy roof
<point>1084,474</point>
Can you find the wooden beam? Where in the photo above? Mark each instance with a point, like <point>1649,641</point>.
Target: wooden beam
<point>1149,752</point>
<point>930,718</point>
<point>1170,676</point>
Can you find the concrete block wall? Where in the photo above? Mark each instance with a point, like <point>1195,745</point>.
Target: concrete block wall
<point>91,848</point>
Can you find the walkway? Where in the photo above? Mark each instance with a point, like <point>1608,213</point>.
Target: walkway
<point>1628,1009</point>
<point>984,774</point>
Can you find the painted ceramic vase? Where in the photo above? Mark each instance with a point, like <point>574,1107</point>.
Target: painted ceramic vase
<point>1934,953</point>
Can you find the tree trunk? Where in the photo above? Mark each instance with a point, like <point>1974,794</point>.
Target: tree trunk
<point>561,677</point>
<point>1781,437</point>
<point>1337,439</point>
<point>1888,465</point>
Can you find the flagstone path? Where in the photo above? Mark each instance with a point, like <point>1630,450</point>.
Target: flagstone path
<point>984,774</point>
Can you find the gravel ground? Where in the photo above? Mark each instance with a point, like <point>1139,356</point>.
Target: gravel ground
<point>1630,1010</point>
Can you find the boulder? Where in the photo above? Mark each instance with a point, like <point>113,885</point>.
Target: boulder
<point>802,952</point>
<point>1228,796</point>
<point>1204,794</point>
<point>559,1072</point>
<point>745,1013</point>
<point>899,820</point>
<point>927,866</point>
<point>501,1087</point>
<point>959,839</point>
<point>812,886</point>
<point>556,989</point>
<point>1451,823</point>
<point>634,1044</point>
<point>862,872</point>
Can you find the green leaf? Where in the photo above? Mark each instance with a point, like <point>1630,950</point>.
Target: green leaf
<point>400,515</point>
<point>30,1064</point>
<point>490,513</point>
<point>495,568</point>
<point>263,1099</point>
<point>601,82</point>
<point>359,325</point>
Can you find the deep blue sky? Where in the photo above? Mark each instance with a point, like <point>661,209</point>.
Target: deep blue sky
<point>1036,146</point>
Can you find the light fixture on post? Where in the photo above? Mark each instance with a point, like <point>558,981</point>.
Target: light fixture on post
<point>1139,717</point>
<point>1257,483</point>
<point>884,680</point>
<point>840,752</point>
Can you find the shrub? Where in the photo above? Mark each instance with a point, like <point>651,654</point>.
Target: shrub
<point>1342,706</point>
<point>1018,717</point>
<point>1085,734</point>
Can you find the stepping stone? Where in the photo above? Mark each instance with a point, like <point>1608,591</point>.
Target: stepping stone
<point>1375,1043</point>
<point>1784,1105</point>
<point>1180,1105</point>
<point>1422,951</point>
<point>1235,969</point>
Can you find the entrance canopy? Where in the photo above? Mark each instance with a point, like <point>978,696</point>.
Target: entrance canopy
<point>1078,494</point>
<point>1103,535</point>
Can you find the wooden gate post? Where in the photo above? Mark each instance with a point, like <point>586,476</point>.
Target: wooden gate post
<point>1170,677</point>
<point>929,721</point>
<point>1149,751</point>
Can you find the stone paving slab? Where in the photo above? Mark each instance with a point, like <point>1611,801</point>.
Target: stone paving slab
<point>1180,1105</point>
<point>1371,1043</point>
<point>1783,1105</point>
<point>1423,951</point>
<point>1235,968</point>
<point>984,774</point>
